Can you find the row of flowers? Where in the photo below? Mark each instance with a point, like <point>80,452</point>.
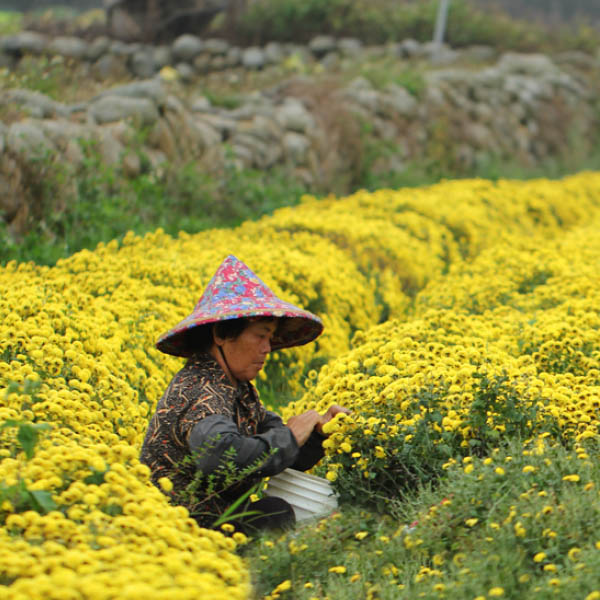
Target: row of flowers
<point>77,352</point>
<point>507,345</point>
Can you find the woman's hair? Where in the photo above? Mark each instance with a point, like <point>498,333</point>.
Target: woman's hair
<point>200,339</point>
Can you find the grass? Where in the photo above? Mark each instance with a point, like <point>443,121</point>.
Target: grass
<point>103,205</point>
<point>492,527</point>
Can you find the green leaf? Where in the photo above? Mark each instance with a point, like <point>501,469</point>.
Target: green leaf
<point>27,437</point>
<point>96,477</point>
<point>42,500</point>
<point>113,510</point>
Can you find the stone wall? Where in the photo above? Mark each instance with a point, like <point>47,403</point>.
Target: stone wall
<point>474,105</point>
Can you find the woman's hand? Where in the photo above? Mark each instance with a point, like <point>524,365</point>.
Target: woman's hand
<point>333,410</point>
<point>303,425</point>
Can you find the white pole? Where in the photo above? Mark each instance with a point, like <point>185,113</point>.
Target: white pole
<point>440,24</point>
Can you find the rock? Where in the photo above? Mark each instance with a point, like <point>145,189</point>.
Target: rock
<point>151,89</point>
<point>218,63</point>
<point>162,139</point>
<point>485,84</point>
<point>62,131</point>
<point>483,112</point>
<point>293,116</point>
<point>274,53</point>
<point>216,46</point>
<point>186,47</point>
<point>73,153</point>
<point>71,47</point>
<point>109,109</point>
<point>224,126</point>
<point>349,47</point>
<point>203,134</point>
<point>185,71</point>
<point>131,165</point>
<point>36,104</point>
<point>322,44</point>
<point>440,54</point>
<point>253,58</point>
<point>109,147</point>
<point>434,97</point>
<point>526,64</point>
<point>244,156</point>
<point>233,58</point>
<point>296,147</point>
<point>119,48</point>
<point>479,136</point>
<point>202,63</point>
<point>162,56</point>
<point>478,53</point>
<point>527,90</point>
<point>330,61</point>
<point>365,97</point>
<point>174,105</point>
<point>142,64</point>
<point>201,104</point>
<point>396,100</point>
<point>264,154</point>
<point>97,48</point>
<point>409,48</point>
<point>110,66</point>
<point>25,137</point>
<point>359,83</point>
<point>25,42</point>
<point>12,194</point>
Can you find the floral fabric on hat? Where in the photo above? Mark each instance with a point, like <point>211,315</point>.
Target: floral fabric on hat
<point>235,292</point>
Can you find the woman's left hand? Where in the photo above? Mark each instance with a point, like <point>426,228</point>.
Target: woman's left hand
<point>333,410</point>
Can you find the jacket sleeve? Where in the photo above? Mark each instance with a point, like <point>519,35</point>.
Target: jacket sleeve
<point>212,436</point>
<point>310,453</point>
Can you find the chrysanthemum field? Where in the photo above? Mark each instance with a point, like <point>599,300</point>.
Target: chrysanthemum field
<point>462,328</point>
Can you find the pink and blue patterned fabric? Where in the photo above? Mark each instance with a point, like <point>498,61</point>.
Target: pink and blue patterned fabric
<point>234,292</point>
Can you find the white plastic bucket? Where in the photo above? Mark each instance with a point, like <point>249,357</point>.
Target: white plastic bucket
<point>309,495</point>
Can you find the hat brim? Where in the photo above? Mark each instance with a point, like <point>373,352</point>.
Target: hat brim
<point>296,328</point>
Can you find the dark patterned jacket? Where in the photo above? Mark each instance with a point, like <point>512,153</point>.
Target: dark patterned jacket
<point>201,422</point>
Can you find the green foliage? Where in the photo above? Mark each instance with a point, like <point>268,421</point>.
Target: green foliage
<point>496,522</point>
<point>10,22</point>
<point>103,204</point>
<point>380,21</point>
<point>391,462</point>
<point>204,494</point>
<point>48,75</point>
<point>27,434</point>
<point>499,411</point>
<point>18,495</point>
<point>390,70</point>
<point>303,17</point>
<point>23,499</point>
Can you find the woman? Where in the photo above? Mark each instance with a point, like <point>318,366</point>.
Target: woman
<point>210,427</point>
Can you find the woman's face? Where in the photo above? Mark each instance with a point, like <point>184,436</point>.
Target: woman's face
<point>246,354</point>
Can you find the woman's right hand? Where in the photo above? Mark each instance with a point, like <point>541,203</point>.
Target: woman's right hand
<point>303,425</point>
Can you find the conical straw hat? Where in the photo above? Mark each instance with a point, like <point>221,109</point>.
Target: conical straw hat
<point>235,292</point>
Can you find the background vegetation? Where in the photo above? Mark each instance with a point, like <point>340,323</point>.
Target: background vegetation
<point>103,205</point>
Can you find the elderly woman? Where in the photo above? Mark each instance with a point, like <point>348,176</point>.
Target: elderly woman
<point>210,418</point>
